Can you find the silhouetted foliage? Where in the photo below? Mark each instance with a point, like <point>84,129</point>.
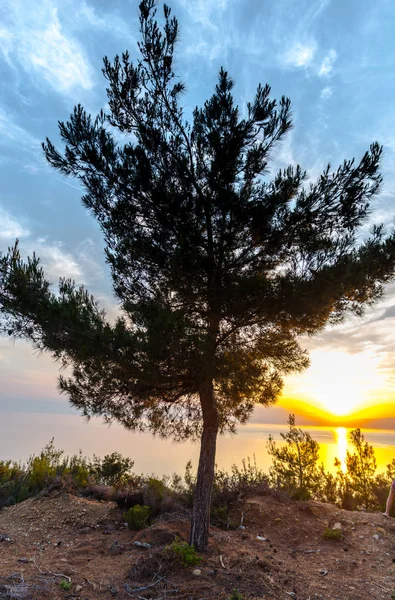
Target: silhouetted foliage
<point>295,470</point>
<point>295,464</point>
<point>217,269</point>
<point>361,468</point>
<point>354,487</point>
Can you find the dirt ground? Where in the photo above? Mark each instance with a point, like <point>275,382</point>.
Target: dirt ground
<point>52,541</point>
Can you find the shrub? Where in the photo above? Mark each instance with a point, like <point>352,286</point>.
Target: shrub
<point>229,488</point>
<point>189,484</point>
<point>113,469</point>
<point>137,517</point>
<point>65,585</point>
<point>235,595</point>
<point>154,491</point>
<point>21,481</point>
<point>328,488</point>
<point>295,465</point>
<point>184,553</point>
<point>361,467</point>
<point>219,516</point>
<point>332,534</point>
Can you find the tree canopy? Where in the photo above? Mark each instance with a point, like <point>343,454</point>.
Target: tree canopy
<point>217,267</point>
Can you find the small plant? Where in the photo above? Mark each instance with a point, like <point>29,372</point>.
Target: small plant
<point>219,516</point>
<point>184,552</point>
<point>137,517</point>
<point>235,595</point>
<point>65,585</point>
<point>332,534</point>
<point>154,493</point>
<point>295,467</point>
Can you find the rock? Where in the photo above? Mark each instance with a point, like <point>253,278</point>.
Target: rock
<point>241,527</point>
<point>142,544</point>
<point>337,527</point>
<point>196,572</point>
<point>376,536</point>
<point>78,588</point>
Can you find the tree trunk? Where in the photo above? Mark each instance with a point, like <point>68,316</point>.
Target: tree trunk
<point>205,475</point>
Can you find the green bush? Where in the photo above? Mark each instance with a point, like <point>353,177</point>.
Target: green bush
<point>332,534</point>
<point>295,472</point>
<point>295,467</point>
<point>229,488</point>
<point>235,595</point>
<point>113,469</point>
<point>361,467</point>
<point>21,481</point>
<point>219,516</point>
<point>137,517</point>
<point>154,491</point>
<point>65,585</point>
<point>185,553</point>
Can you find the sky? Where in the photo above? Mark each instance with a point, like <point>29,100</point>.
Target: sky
<point>334,59</point>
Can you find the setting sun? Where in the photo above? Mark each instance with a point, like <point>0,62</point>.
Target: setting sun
<point>339,383</point>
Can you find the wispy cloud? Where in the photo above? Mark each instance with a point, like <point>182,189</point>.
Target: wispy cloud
<point>56,260</point>
<point>208,30</point>
<point>6,43</point>
<point>12,133</point>
<point>59,59</point>
<point>327,64</point>
<point>299,55</point>
<point>326,92</point>
<point>36,41</point>
<point>83,264</point>
<point>10,228</point>
<point>205,11</point>
<point>86,17</point>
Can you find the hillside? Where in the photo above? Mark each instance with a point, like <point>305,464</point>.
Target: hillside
<point>61,537</point>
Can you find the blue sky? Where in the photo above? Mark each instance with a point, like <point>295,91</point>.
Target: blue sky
<point>334,59</point>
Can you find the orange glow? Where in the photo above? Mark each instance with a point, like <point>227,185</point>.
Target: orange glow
<point>337,385</point>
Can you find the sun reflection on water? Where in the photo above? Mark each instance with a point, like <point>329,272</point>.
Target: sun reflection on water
<point>341,438</point>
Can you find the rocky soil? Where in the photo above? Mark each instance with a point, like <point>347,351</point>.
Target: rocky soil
<point>63,546</point>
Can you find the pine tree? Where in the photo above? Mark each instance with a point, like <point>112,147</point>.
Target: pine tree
<point>217,269</point>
